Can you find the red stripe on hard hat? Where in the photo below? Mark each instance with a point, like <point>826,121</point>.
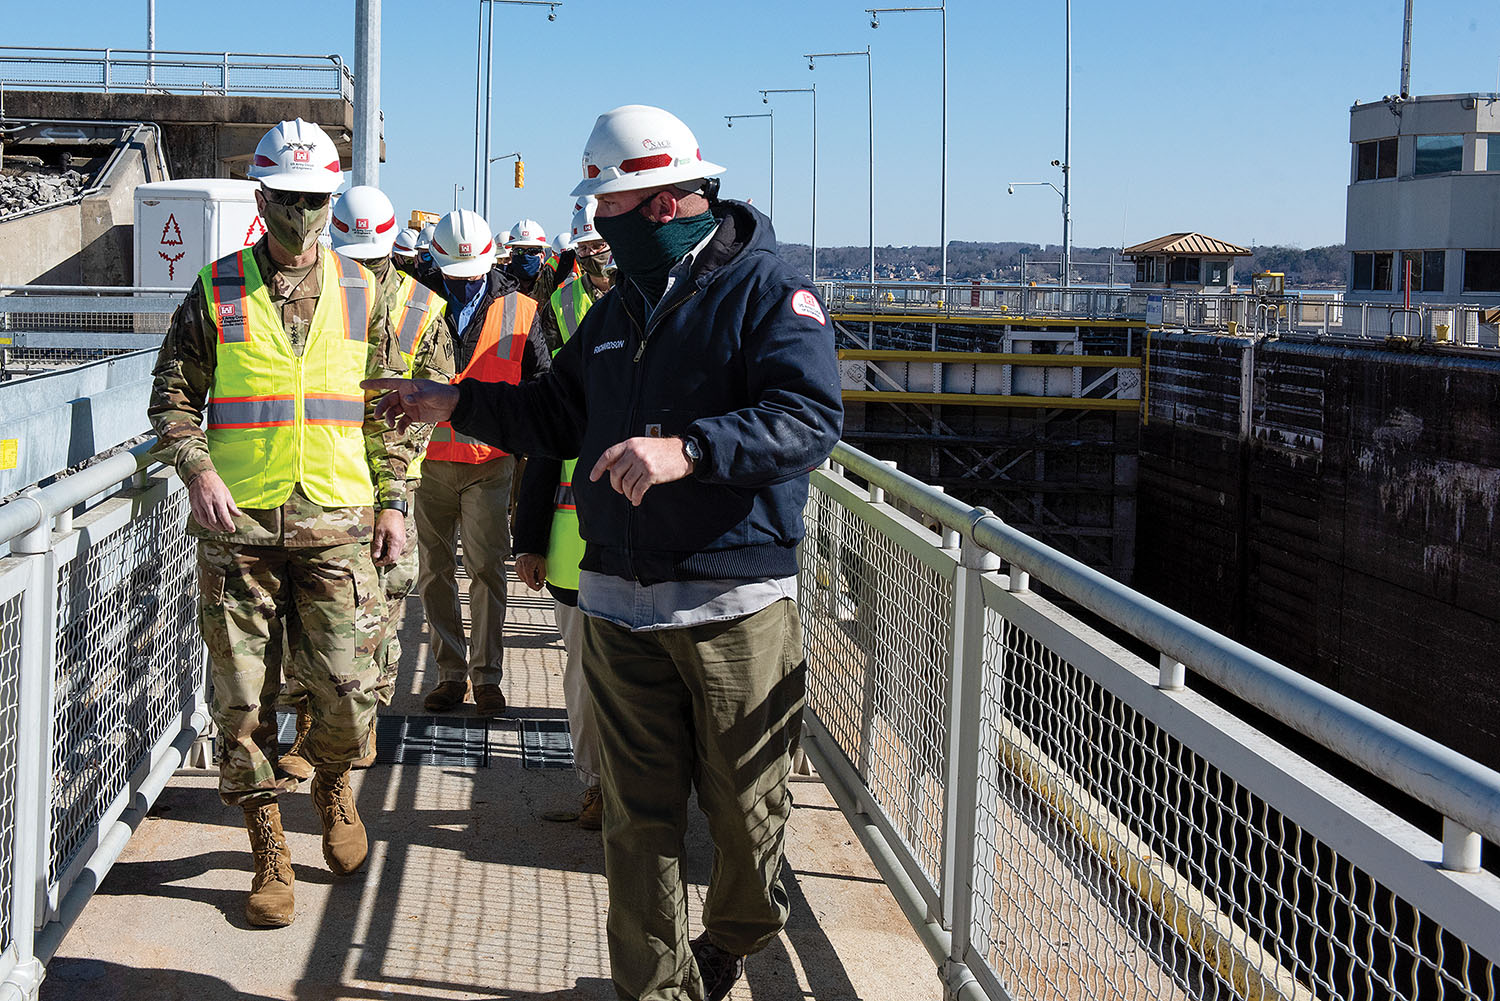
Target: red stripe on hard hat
<point>439,248</point>
<point>340,225</point>
<point>646,163</point>
<point>385,226</point>
<point>264,161</point>
<point>334,166</point>
<point>487,248</point>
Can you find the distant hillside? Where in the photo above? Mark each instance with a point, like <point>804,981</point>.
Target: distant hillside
<point>1002,262</point>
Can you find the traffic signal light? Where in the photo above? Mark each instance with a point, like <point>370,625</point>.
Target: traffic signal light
<point>520,173</point>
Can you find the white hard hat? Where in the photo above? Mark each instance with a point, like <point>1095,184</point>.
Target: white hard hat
<point>462,245</point>
<point>561,241</point>
<point>583,221</point>
<point>297,156</point>
<point>424,237</point>
<point>638,146</point>
<point>364,223</point>
<point>406,243</point>
<point>527,233</point>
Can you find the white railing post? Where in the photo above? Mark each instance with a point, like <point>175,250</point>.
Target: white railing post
<point>965,711</point>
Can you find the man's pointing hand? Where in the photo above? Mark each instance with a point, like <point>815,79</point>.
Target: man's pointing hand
<point>412,401</point>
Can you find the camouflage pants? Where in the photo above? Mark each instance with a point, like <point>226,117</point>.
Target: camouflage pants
<point>327,602</point>
<point>397,581</point>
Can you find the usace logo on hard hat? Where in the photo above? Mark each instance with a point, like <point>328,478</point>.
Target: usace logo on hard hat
<point>465,250</point>
<point>363,225</point>
<point>301,156</point>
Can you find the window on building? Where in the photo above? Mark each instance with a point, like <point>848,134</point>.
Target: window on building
<point>1434,264</point>
<point>1364,272</point>
<point>1372,272</point>
<point>1439,154</point>
<point>1218,273</point>
<point>1494,154</point>
<point>1377,158</point>
<point>1145,270</point>
<point>1184,269</point>
<point>1482,271</point>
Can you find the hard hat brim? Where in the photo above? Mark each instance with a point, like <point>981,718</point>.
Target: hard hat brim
<point>303,181</point>
<point>527,243</point>
<point>654,177</point>
<point>361,251</point>
<point>467,269</point>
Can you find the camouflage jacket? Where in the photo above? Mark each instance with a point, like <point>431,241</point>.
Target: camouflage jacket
<point>183,381</point>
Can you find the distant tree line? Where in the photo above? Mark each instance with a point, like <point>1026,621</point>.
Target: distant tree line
<point>1003,262</point>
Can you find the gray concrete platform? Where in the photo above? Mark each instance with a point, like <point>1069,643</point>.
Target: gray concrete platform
<point>468,893</point>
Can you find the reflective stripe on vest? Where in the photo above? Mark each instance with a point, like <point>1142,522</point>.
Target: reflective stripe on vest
<point>416,305</point>
<point>496,358</point>
<point>277,419</point>
<point>564,543</point>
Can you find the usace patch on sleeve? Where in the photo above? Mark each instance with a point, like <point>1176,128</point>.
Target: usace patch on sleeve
<point>804,303</point>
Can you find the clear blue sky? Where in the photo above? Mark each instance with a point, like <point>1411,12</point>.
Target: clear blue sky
<point>1235,124</point>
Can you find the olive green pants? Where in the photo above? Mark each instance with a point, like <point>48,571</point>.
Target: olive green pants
<point>716,708</point>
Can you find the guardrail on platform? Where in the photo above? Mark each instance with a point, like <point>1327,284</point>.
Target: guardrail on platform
<point>1321,314</point>
<point>1061,818</point>
<point>165,71</point>
<point>101,689</point>
<point>47,327</point>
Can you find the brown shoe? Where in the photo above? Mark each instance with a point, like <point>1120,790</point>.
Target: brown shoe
<point>344,842</point>
<point>270,904</point>
<point>488,701</point>
<point>292,762</point>
<point>368,759</point>
<point>446,697</point>
<point>591,810</point>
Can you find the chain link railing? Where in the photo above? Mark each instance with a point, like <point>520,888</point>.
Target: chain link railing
<point>172,72</point>
<point>1061,818</point>
<point>101,688</point>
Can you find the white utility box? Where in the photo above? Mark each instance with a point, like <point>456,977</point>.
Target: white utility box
<point>182,225</point>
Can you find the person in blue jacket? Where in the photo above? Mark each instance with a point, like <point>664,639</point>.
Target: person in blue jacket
<point>698,395</point>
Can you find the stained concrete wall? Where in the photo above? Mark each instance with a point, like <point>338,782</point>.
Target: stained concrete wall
<point>1334,508</point>
<point>88,242</point>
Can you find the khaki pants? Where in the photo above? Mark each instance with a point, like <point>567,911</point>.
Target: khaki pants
<point>580,703</point>
<point>716,707</point>
<point>472,498</point>
<point>327,602</point>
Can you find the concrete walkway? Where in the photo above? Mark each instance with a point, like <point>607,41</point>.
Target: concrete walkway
<point>468,893</point>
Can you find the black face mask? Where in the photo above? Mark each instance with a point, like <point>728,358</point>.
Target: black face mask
<point>645,250</point>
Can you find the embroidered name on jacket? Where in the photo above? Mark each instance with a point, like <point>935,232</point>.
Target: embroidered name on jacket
<point>608,346</point>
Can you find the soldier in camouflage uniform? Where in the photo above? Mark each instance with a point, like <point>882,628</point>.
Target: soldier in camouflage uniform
<point>290,565</point>
<point>416,317</point>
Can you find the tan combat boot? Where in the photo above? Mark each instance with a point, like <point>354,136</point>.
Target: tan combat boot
<point>270,904</point>
<point>344,843</point>
<point>293,762</point>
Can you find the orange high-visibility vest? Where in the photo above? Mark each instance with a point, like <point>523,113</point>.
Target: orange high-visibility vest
<point>497,358</point>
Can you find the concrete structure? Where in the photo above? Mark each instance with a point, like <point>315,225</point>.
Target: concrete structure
<point>85,240</point>
<point>1424,187</point>
<point>1185,262</point>
<point>206,135</point>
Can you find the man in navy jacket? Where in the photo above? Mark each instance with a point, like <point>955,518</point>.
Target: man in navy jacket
<point>698,395</point>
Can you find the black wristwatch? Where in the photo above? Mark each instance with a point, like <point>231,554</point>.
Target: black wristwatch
<point>392,505</point>
<point>692,450</point>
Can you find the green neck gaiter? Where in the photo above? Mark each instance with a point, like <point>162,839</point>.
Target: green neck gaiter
<point>295,229</point>
<point>645,250</point>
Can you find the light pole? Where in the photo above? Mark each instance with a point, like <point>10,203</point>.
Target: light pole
<point>771,116</point>
<point>870,92</point>
<point>765,99</point>
<point>456,189</point>
<point>941,8</point>
<point>1067,160</point>
<point>486,69</point>
<point>1067,261</point>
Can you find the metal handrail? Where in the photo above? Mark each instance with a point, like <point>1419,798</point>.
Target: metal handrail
<point>34,510</point>
<point>153,62</point>
<point>1461,789</point>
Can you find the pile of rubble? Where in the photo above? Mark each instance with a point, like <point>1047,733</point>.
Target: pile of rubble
<point>30,189</point>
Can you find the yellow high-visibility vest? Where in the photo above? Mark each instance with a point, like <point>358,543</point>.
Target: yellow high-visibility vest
<point>565,545</point>
<point>276,419</point>
<point>414,308</point>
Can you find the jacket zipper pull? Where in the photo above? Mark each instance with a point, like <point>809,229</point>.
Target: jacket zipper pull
<point>640,350</point>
